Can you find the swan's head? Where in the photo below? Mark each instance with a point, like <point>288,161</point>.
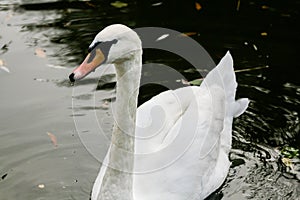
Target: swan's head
<point>115,43</point>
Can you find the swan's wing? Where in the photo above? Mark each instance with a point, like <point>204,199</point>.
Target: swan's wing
<point>178,160</point>
<point>156,117</point>
<point>184,136</point>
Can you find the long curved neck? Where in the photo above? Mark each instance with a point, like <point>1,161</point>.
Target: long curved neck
<point>118,181</point>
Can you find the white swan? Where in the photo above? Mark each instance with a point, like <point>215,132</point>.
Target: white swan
<point>174,146</point>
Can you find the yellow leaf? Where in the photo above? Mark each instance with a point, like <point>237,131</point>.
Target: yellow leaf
<point>1,62</point>
<point>264,34</point>
<point>52,138</point>
<point>40,52</point>
<point>41,186</point>
<point>198,6</point>
<point>189,33</point>
<point>3,67</point>
<point>287,162</point>
<point>68,24</point>
<point>119,4</point>
<point>238,5</point>
<point>254,47</point>
<point>90,4</point>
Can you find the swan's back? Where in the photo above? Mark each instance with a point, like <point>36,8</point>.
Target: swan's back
<point>184,137</point>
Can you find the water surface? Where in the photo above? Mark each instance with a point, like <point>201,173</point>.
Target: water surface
<point>41,41</point>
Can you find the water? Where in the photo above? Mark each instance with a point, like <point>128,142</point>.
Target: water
<point>36,97</point>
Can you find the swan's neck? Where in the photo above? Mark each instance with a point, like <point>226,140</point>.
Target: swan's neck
<point>118,181</point>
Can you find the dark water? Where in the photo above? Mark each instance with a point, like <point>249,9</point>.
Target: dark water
<point>36,97</point>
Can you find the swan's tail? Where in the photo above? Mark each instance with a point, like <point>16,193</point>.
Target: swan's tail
<point>221,84</point>
<point>223,76</point>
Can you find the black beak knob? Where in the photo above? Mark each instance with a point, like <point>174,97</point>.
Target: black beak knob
<point>71,77</point>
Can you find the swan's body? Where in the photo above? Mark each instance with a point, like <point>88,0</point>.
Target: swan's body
<point>174,146</point>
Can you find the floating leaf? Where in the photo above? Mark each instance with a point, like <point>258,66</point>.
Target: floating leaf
<point>185,82</point>
<point>251,69</point>
<point>198,6</point>
<point>196,81</point>
<point>238,5</point>
<point>5,69</point>
<point>2,67</point>
<point>157,4</point>
<point>119,4</point>
<point>68,24</point>
<point>40,52</point>
<point>90,4</point>
<point>285,15</point>
<point>4,48</point>
<point>164,36</point>
<point>52,138</point>
<point>254,47</point>
<point>105,105</point>
<point>4,176</point>
<point>287,162</point>
<point>189,33</point>
<point>289,152</point>
<point>264,34</point>
<point>41,80</point>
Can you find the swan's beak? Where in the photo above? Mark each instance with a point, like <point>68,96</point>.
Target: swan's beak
<point>90,63</point>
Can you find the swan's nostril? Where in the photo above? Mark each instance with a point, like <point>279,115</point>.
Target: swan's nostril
<point>71,77</point>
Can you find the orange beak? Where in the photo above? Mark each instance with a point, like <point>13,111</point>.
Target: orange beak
<point>90,63</point>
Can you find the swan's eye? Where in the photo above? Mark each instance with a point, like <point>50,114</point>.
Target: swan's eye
<point>104,46</point>
<point>93,47</point>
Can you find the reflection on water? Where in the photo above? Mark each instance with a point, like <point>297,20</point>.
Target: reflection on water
<point>259,34</point>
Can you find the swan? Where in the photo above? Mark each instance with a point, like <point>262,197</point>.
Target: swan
<point>174,146</point>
